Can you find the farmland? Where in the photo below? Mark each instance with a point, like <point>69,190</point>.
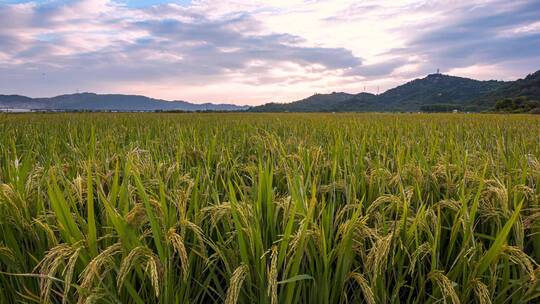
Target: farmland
<point>269,208</point>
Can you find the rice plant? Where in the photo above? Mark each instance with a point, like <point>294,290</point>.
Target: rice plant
<point>269,208</point>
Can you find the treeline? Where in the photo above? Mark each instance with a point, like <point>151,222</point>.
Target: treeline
<point>447,107</point>
<point>520,104</point>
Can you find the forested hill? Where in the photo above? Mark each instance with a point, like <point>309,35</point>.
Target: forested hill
<point>431,93</point>
<point>527,88</point>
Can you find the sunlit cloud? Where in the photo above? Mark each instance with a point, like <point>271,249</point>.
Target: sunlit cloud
<point>252,52</point>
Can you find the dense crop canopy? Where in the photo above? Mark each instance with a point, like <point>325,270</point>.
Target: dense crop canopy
<point>266,208</point>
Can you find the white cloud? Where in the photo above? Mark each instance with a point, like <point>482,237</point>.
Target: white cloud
<point>255,51</point>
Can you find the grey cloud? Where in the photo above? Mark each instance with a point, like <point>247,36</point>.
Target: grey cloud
<point>478,36</point>
<point>245,47</point>
<point>194,49</point>
<point>185,45</point>
<point>465,34</point>
<point>377,69</point>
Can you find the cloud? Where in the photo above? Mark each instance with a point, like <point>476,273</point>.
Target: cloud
<point>254,51</point>
<point>383,68</point>
<point>91,42</point>
<point>479,36</point>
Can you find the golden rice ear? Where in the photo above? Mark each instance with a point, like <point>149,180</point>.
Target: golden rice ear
<point>95,296</point>
<point>419,254</point>
<point>378,255</point>
<point>481,291</point>
<point>16,205</point>
<point>78,187</point>
<point>7,253</point>
<point>177,243</point>
<point>137,215</point>
<point>382,200</point>
<point>273,277</point>
<point>534,163</point>
<point>445,285</point>
<point>527,191</point>
<point>41,222</point>
<point>153,267</point>
<point>369,297</point>
<point>96,269</point>
<point>147,259</point>
<point>300,236</point>
<point>496,193</point>
<point>520,258</point>
<point>358,229</point>
<point>68,272</point>
<point>197,231</point>
<point>127,264</point>
<point>217,212</point>
<point>235,284</point>
<point>450,204</point>
<point>51,263</point>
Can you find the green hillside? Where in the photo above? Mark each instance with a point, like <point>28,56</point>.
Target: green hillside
<point>435,92</point>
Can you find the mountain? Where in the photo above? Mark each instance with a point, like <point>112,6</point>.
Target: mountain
<point>528,88</point>
<point>436,90</point>
<point>433,92</point>
<point>18,102</point>
<point>334,102</point>
<point>108,102</point>
<point>358,102</point>
<point>314,103</point>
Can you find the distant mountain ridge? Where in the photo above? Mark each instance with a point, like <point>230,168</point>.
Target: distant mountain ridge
<point>435,91</point>
<point>108,102</point>
<point>314,103</point>
<point>528,87</point>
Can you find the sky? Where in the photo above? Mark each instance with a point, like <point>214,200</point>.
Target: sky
<point>253,52</point>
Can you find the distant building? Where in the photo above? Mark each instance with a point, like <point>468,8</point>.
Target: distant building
<point>455,111</point>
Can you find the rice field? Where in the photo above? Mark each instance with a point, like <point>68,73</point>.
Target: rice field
<point>269,208</point>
